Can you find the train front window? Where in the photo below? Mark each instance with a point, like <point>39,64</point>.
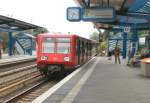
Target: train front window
<point>48,45</point>
<point>63,48</point>
<point>63,45</point>
<point>63,40</point>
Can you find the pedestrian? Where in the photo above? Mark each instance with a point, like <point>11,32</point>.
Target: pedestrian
<point>117,54</point>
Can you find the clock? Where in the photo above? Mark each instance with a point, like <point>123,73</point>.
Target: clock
<point>73,14</point>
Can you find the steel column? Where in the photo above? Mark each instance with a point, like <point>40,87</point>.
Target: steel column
<point>10,44</point>
<point>124,45</point>
<point>108,47</point>
<point>31,46</point>
<point>134,40</point>
<point>149,42</point>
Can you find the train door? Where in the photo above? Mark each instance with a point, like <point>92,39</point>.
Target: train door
<point>77,51</point>
<point>90,49</point>
<point>86,46</point>
<point>83,52</point>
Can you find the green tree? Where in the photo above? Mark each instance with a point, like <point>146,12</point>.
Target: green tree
<point>95,36</point>
<point>4,40</point>
<point>102,46</point>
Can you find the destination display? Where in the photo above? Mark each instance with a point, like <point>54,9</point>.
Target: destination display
<point>98,14</point>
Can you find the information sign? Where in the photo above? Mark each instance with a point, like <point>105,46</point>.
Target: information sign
<point>98,14</point>
<point>126,29</point>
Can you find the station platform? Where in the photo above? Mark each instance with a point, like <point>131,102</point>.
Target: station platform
<point>14,58</point>
<point>100,81</point>
<point>5,56</point>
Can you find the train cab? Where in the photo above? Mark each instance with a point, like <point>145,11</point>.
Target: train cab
<point>62,52</point>
<point>55,52</point>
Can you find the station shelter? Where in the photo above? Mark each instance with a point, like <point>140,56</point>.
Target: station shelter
<point>23,41</point>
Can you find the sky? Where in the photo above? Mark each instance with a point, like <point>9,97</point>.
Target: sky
<point>46,13</point>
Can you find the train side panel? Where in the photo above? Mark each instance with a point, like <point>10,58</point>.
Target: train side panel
<point>84,50</point>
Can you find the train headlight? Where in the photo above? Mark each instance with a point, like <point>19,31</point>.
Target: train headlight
<point>44,57</point>
<point>66,59</point>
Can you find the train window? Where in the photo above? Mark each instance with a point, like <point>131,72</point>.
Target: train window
<point>48,48</point>
<point>48,39</point>
<point>63,40</point>
<point>48,45</point>
<point>63,48</point>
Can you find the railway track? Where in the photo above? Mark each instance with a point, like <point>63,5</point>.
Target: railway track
<point>31,93</point>
<point>7,65</point>
<point>15,75</point>
<point>17,84</point>
<point>7,78</point>
<point>21,82</point>
<point>13,70</point>
<point>9,90</point>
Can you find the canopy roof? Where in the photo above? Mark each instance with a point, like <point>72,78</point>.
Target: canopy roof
<point>129,12</point>
<point>8,24</point>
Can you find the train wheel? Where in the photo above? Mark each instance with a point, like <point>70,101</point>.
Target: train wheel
<point>43,71</point>
<point>62,72</point>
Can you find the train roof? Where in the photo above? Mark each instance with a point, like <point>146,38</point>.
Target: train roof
<point>64,35</point>
<point>55,34</point>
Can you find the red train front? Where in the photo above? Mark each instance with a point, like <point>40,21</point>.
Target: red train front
<point>58,53</point>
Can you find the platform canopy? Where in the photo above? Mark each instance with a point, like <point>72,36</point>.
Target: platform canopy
<point>128,12</point>
<point>8,24</point>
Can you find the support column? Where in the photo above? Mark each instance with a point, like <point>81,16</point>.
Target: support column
<point>31,46</point>
<point>108,47</point>
<point>134,40</point>
<point>124,45</point>
<point>149,42</point>
<point>10,44</point>
<point>125,28</point>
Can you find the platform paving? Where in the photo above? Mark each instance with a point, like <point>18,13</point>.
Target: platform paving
<point>107,83</point>
<point>6,58</point>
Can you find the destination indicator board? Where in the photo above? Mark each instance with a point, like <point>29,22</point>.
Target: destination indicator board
<point>98,14</point>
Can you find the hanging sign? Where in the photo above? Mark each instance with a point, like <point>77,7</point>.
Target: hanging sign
<point>126,29</point>
<point>142,40</point>
<point>98,14</point>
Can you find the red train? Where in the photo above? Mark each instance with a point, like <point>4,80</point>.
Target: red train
<point>61,52</point>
